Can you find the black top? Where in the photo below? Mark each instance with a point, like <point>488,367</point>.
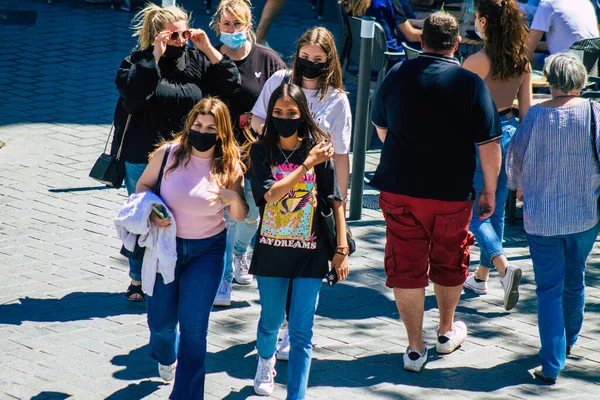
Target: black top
<point>290,241</point>
<point>435,112</point>
<point>160,97</point>
<point>255,70</point>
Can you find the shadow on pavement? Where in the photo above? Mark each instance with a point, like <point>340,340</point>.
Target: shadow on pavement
<point>138,365</point>
<point>136,390</point>
<point>243,394</point>
<point>51,396</point>
<point>75,306</point>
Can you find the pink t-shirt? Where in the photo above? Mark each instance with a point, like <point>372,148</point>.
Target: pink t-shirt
<point>185,192</point>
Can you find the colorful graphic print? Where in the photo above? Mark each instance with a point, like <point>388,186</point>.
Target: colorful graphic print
<point>289,222</point>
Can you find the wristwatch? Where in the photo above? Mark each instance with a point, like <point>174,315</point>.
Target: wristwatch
<point>343,250</point>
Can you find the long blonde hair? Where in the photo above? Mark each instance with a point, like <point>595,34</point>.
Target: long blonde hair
<point>152,19</point>
<point>332,75</point>
<point>240,9</point>
<point>227,165</point>
<point>356,8</point>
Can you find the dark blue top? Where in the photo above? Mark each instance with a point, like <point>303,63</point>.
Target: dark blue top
<point>388,16</point>
<point>435,112</point>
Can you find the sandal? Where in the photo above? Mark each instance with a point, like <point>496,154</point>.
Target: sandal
<point>133,290</point>
<point>539,375</point>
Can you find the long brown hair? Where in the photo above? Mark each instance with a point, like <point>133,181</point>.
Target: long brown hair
<point>151,20</point>
<point>356,8</point>
<point>505,37</point>
<point>332,76</point>
<point>308,131</point>
<point>226,165</point>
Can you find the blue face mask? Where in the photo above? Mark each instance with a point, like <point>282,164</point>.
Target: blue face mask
<point>233,40</point>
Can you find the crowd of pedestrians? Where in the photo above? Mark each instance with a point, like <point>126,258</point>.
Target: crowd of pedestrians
<point>226,149</point>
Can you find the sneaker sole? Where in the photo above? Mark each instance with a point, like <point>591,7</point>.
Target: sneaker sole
<point>513,295</point>
<point>283,357</point>
<point>222,304</point>
<point>242,282</point>
<point>474,289</point>
<point>262,392</point>
<point>448,351</point>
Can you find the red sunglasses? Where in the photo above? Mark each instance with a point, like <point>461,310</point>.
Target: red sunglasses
<point>185,34</point>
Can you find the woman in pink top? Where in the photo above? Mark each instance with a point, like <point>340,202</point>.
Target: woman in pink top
<point>203,176</point>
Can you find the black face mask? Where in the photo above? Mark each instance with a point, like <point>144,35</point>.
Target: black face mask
<point>174,52</point>
<point>309,69</point>
<point>202,141</point>
<point>286,127</point>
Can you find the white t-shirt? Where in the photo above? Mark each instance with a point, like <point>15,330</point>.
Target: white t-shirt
<point>565,22</point>
<point>333,114</point>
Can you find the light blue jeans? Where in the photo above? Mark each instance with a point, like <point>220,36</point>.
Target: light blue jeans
<point>133,172</point>
<point>490,232</point>
<point>187,301</point>
<point>273,294</point>
<point>240,234</point>
<point>559,268</point>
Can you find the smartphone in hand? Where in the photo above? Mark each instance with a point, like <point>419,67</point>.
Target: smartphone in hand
<point>331,277</point>
<point>160,210</point>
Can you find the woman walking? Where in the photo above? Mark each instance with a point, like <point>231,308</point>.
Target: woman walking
<point>553,162</point>
<point>504,67</point>
<point>159,83</point>
<point>203,177</point>
<point>232,23</point>
<point>290,174</point>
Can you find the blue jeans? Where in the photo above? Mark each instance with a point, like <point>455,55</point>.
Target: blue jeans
<point>559,268</point>
<point>490,232</point>
<point>305,295</point>
<point>133,172</point>
<point>187,301</point>
<point>240,234</point>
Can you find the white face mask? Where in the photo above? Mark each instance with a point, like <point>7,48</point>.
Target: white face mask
<point>477,30</point>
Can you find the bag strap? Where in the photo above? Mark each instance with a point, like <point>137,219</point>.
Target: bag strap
<point>112,129</point>
<point>162,170</point>
<point>593,132</point>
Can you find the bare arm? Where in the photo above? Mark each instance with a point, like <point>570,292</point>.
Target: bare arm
<point>490,157</point>
<point>342,172</point>
<point>533,40</point>
<point>525,95</point>
<point>238,208</point>
<point>340,261</point>
<point>409,32</point>
<point>382,133</point>
<point>257,124</point>
<point>149,178</point>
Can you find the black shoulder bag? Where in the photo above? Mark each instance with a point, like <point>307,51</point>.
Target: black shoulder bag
<point>138,252</point>
<point>109,169</point>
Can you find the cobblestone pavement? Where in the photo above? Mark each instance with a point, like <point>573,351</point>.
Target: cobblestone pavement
<point>66,330</point>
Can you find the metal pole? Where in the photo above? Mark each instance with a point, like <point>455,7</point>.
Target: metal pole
<point>362,123</point>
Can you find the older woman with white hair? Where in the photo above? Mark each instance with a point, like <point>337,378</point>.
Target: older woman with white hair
<point>553,161</point>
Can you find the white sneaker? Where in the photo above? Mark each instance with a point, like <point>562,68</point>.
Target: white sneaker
<point>480,287</point>
<point>264,380</point>
<point>413,361</point>
<point>510,284</point>
<point>167,372</point>
<point>283,353</point>
<point>223,298</point>
<point>449,341</point>
<point>240,269</point>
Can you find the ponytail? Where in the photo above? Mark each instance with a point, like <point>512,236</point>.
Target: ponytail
<point>151,20</point>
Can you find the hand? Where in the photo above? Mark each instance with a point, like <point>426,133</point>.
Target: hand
<point>520,194</point>
<point>340,263</point>
<point>158,221</point>
<point>319,154</point>
<point>160,44</point>
<point>486,203</point>
<point>223,196</point>
<point>200,40</point>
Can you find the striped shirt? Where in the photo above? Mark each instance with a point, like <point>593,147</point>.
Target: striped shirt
<point>551,157</point>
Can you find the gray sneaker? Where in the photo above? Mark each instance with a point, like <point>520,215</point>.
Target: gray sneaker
<point>510,284</point>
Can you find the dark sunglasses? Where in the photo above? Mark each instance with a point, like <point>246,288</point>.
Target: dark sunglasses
<point>185,34</point>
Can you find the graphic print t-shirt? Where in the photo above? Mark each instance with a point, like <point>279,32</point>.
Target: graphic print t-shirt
<point>290,240</point>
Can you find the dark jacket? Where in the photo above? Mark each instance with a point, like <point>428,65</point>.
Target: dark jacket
<point>160,97</point>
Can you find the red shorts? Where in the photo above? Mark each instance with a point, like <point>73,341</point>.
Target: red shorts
<point>424,233</point>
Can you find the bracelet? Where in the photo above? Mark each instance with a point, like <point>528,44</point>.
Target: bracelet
<point>305,167</point>
<point>343,248</point>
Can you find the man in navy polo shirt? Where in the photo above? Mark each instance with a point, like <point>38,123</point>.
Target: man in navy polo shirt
<point>430,113</point>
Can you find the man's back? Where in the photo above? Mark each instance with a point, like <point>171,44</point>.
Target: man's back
<point>565,22</point>
<point>435,111</point>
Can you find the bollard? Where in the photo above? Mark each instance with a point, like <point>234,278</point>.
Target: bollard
<point>362,123</point>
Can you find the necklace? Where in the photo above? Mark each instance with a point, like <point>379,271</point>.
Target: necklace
<point>290,156</point>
